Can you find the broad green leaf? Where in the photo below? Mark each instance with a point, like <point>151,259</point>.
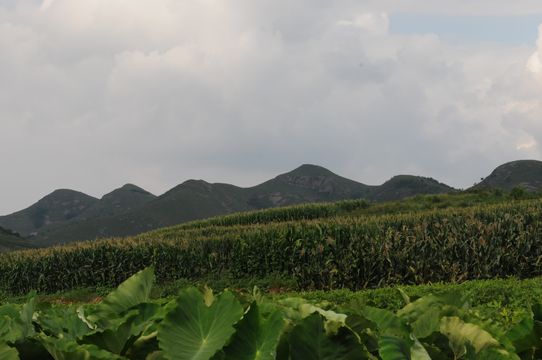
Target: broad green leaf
<point>65,321</point>
<point>393,348</point>
<point>156,355</point>
<point>448,304</point>
<point>427,323</point>
<point>256,337</point>
<point>114,338</point>
<point>132,292</point>
<point>17,321</point>
<point>387,322</point>
<point>64,349</point>
<point>196,331</point>
<point>8,353</point>
<point>365,330</point>
<point>461,334</point>
<point>27,313</point>
<point>7,333</point>
<point>124,330</point>
<point>418,352</point>
<point>308,340</point>
<point>496,354</point>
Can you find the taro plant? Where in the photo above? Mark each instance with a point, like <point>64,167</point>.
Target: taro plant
<point>199,325</point>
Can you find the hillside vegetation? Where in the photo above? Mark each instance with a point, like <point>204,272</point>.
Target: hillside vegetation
<point>66,215</point>
<point>349,244</point>
<point>522,173</point>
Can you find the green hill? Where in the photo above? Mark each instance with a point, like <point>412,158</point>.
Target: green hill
<point>306,184</point>
<point>127,198</point>
<point>403,186</point>
<point>521,173</point>
<point>54,209</point>
<point>197,199</point>
<point>67,215</point>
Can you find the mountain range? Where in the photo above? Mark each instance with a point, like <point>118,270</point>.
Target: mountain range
<point>68,215</point>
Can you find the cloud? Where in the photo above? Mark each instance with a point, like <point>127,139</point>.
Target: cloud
<point>375,23</point>
<point>534,64</point>
<point>97,93</point>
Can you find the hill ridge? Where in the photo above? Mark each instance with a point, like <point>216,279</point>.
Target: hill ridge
<point>130,209</point>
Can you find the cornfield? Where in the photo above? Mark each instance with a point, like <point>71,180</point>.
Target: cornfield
<point>326,253</point>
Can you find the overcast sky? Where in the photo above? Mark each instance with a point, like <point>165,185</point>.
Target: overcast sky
<point>98,93</point>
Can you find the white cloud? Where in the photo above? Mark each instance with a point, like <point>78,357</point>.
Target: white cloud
<point>96,93</point>
<point>534,64</point>
<point>375,23</point>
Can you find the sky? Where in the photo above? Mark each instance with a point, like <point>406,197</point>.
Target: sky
<point>98,93</point>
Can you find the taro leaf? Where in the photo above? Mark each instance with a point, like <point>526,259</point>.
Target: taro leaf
<point>114,338</point>
<point>492,353</point>
<point>308,340</point>
<point>418,351</point>
<point>256,337</point>
<point>16,321</point>
<point>144,345</point>
<point>14,327</point>
<point>27,313</point>
<point>461,334</point>
<point>123,330</point>
<point>196,331</point>
<point>156,355</point>
<point>8,353</point>
<point>64,349</point>
<point>7,333</point>
<point>427,323</point>
<point>65,321</point>
<point>447,304</point>
<point>393,348</point>
<point>387,322</point>
<point>364,329</point>
<point>132,292</point>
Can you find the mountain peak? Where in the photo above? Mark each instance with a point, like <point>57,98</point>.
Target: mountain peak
<point>128,188</point>
<point>310,170</point>
<point>523,173</point>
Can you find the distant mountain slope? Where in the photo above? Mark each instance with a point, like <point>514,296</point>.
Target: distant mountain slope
<point>126,198</point>
<point>307,183</point>
<point>193,199</point>
<point>10,241</point>
<point>403,186</point>
<point>62,208</point>
<point>58,207</point>
<point>197,199</point>
<point>131,210</point>
<point>523,173</point>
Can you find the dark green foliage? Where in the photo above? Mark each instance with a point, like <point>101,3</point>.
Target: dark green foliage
<point>201,326</point>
